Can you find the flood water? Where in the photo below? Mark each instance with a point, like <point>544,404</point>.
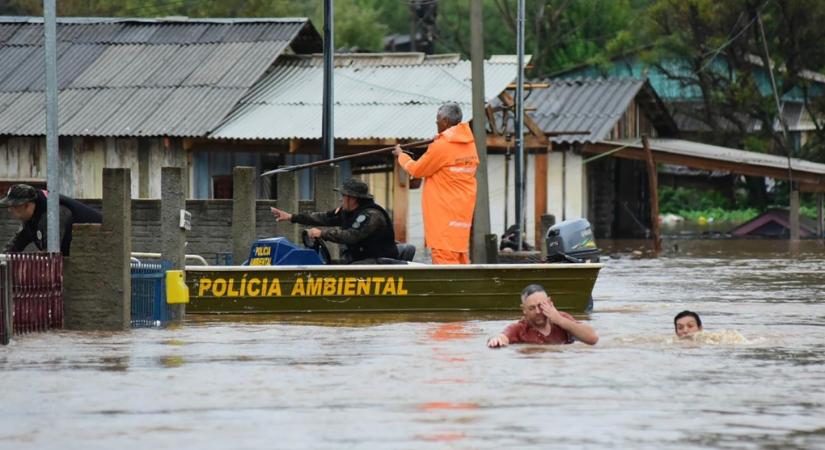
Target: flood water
<point>755,379</point>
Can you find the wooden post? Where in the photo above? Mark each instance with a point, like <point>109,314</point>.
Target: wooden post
<point>400,203</point>
<point>491,244</point>
<point>481,216</point>
<point>794,215</point>
<point>653,182</point>
<point>547,221</point>
<point>540,188</point>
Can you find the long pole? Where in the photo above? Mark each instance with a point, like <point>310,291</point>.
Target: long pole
<point>343,158</point>
<point>519,172</point>
<point>793,195</point>
<point>52,157</point>
<point>328,123</point>
<point>481,218</point>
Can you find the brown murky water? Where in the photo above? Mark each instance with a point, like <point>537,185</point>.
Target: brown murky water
<point>756,379</point>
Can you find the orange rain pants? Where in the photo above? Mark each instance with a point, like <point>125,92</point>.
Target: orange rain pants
<point>447,257</point>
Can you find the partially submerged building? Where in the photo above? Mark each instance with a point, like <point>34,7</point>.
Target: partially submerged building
<point>132,93</point>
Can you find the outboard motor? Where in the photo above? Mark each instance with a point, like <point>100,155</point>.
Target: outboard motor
<point>571,241</point>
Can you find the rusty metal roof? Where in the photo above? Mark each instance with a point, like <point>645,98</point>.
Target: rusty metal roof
<point>376,96</point>
<point>140,77</point>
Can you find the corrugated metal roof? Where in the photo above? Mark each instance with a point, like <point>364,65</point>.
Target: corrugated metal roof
<point>72,63</point>
<point>22,111</point>
<point>27,35</point>
<point>94,115</point>
<point>280,121</point>
<point>258,57</point>
<point>96,34</point>
<point>190,111</point>
<point>187,59</point>
<point>370,101</point>
<point>726,154</point>
<point>282,33</point>
<point>21,77</point>
<point>387,59</point>
<point>12,58</point>
<point>593,105</point>
<point>68,103</point>
<point>7,31</point>
<point>130,77</point>
<point>108,65</point>
<point>136,33</point>
<point>150,59</point>
<point>178,34</point>
<point>245,32</point>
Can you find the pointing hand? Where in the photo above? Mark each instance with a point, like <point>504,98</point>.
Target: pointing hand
<point>280,215</point>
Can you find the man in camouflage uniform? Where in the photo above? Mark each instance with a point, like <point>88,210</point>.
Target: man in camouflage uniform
<point>360,224</point>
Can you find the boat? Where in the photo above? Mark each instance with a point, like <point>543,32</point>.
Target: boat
<point>384,288</point>
<point>280,277</point>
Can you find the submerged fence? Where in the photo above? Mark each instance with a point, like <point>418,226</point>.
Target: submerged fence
<point>149,308</point>
<point>31,293</point>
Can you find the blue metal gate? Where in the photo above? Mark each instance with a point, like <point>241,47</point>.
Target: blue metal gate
<point>149,308</point>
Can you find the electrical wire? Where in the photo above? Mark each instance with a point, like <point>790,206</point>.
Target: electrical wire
<point>734,38</point>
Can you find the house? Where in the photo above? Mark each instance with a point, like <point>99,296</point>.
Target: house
<point>684,100</point>
<point>380,100</point>
<point>610,192</point>
<point>598,166</point>
<point>133,93</point>
<point>775,223</point>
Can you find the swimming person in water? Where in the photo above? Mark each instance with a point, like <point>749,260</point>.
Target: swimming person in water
<point>543,323</point>
<point>687,323</point>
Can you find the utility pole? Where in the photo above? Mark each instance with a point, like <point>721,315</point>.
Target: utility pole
<point>793,193</point>
<point>52,157</point>
<point>481,218</point>
<point>328,123</point>
<point>519,166</point>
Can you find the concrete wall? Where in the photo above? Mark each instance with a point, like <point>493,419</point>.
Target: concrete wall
<point>211,225</point>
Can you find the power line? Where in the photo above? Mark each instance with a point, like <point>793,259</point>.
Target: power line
<point>734,38</point>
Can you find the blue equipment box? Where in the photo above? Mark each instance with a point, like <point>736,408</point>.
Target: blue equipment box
<point>281,252</point>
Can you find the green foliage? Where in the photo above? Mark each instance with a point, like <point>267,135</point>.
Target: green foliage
<point>358,23</point>
<point>673,200</point>
<point>696,206</point>
<point>719,215</point>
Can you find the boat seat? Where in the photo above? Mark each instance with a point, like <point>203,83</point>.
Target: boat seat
<point>406,252</point>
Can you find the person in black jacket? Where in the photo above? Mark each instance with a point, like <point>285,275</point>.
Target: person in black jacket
<point>360,224</point>
<point>28,205</point>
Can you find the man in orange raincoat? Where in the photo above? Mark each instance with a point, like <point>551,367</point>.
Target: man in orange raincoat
<point>449,171</point>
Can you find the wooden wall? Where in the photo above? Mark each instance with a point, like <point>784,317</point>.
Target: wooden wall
<point>23,159</point>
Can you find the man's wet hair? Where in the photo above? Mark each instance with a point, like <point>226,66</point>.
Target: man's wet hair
<point>530,290</point>
<point>450,111</point>
<point>686,313</point>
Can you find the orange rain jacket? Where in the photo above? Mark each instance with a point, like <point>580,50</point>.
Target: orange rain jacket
<point>449,169</point>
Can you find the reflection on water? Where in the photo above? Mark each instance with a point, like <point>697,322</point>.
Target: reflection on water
<point>752,379</point>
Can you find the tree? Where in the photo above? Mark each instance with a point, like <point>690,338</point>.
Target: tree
<point>357,22</point>
<point>716,50</point>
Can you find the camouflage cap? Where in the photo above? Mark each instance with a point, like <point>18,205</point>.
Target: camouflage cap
<point>19,194</point>
<point>356,188</point>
